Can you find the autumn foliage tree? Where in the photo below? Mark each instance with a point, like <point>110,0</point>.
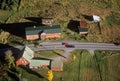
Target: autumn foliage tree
<point>50,75</point>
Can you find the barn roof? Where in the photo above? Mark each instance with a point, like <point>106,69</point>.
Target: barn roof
<point>39,29</point>
<point>39,62</point>
<point>28,54</point>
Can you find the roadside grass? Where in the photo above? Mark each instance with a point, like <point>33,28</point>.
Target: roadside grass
<point>102,65</point>
<point>114,68</point>
<point>89,68</point>
<point>49,53</point>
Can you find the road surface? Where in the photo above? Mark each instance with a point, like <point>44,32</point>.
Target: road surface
<point>78,45</point>
<point>91,47</point>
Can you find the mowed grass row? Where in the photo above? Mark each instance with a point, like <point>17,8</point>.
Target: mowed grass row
<point>109,62</point>
<point>102,65</point>
<point>89,68</point>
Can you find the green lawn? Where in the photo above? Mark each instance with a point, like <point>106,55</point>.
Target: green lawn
<point>49,53</point>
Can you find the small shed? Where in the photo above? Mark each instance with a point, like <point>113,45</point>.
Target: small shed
<point>96,18</point>
<point>47,21</point>
<point>57,65</point>
<point>83,28</point>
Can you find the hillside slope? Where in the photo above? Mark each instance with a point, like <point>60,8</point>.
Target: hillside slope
<point>65,10</point>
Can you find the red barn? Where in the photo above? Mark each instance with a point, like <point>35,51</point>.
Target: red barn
<point>43,32</point>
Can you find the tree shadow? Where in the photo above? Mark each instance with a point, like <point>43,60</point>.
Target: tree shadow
<point>13,76</point>
<point>73,25</point>
<point>32,72</point>
<point>35,19</point>
<point>5,47</point>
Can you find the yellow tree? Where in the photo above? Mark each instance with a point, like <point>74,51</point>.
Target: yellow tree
<point>50,75</point>
<point>74,57</point>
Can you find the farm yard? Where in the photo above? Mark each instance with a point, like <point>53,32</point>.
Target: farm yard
<point>103,66</point>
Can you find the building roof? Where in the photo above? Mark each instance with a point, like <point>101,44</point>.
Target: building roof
<point>28,54</point>
<point>96,18</point>
<point>83,29</point>
<point>39,29</point>
<point>47,19</point>
<point>39,62</point>
<point>57,65</point>
<point>83,24</point>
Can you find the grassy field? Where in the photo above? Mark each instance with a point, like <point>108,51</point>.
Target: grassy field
<point>109,64</point>
<point>4,15</point>
<point>103,66</point>
<point>49,53</point>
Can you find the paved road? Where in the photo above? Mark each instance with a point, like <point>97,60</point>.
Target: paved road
<point>91,47</point>
<point>78,45</point>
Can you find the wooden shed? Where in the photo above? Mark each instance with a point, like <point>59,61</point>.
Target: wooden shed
<point>83,28</point>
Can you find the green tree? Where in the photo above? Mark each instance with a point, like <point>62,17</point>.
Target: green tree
<point>9,58</point>
<point>9,4</point>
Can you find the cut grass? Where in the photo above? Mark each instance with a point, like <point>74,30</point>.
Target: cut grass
<point>49,53</point>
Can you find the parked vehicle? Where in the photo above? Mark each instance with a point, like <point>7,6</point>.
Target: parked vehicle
<point>68,45</point>
<point>117,44</point>
<point>63,43</point>
<point>72,46</point>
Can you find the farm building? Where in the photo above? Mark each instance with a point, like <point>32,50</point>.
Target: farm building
<point>43,32</point>
<point>57,65</point>
<point>83,29</point>
<point>96,18</point>
<point>27,59</point>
